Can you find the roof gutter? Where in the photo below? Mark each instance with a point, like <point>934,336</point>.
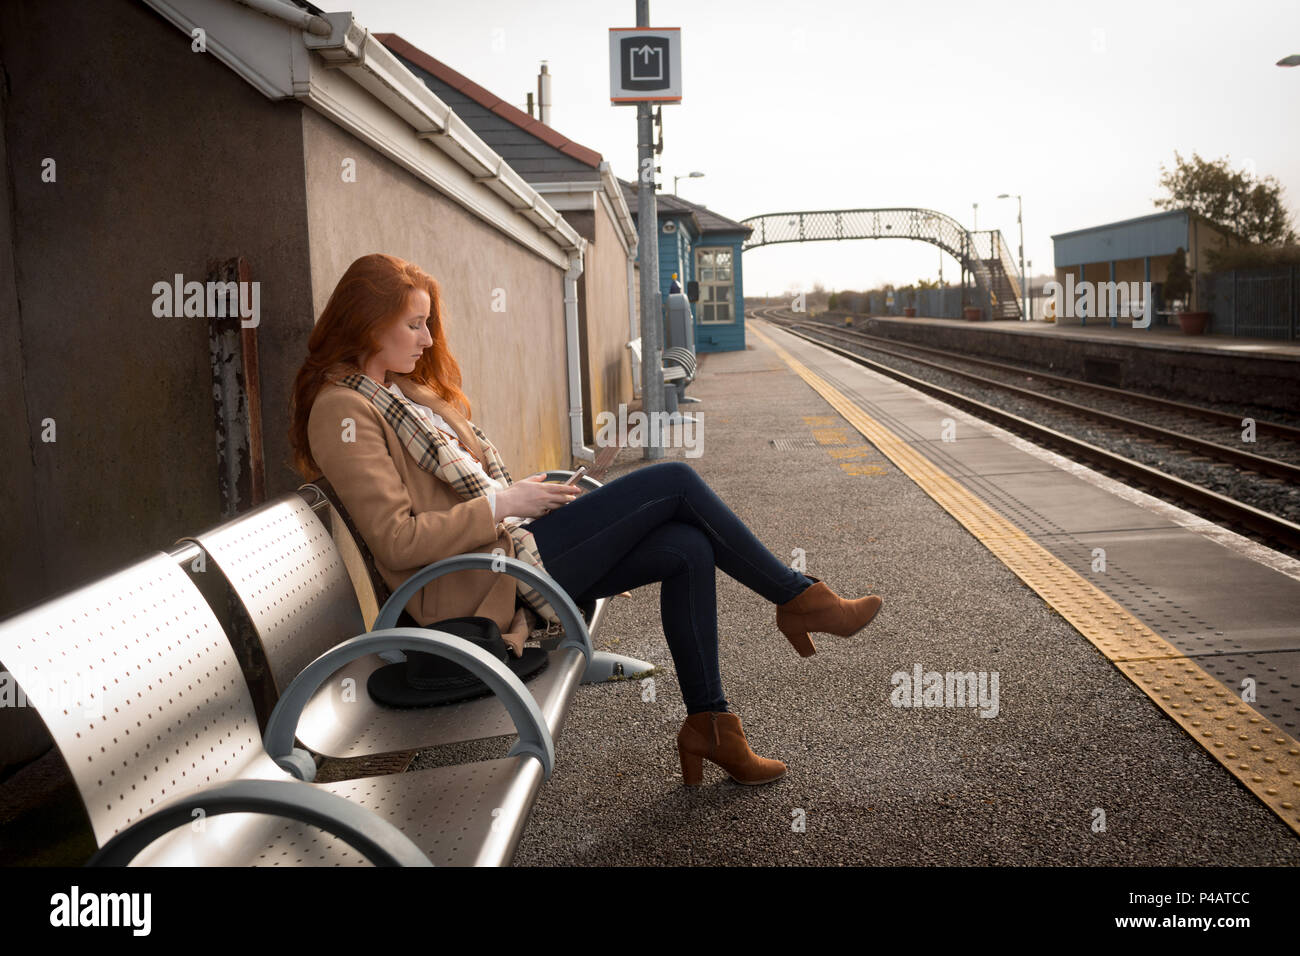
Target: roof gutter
<point>351,49</point>
<point>290,14</point>
<point>615,193</point>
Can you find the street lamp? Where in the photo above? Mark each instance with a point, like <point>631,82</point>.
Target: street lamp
<point>1292,60</point>
<point>1029,266</point>
<point>976,226</point>
<point>687,176</point>
<point>1020,221</point>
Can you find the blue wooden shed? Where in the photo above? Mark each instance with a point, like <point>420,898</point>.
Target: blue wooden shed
<point>699,245</point>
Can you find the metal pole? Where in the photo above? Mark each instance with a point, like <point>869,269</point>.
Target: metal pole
<point>1031,295</point>
<point>1024,279</point>
<point>652,375</point>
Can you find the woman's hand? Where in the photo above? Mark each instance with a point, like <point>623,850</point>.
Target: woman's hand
<point>533,497</point>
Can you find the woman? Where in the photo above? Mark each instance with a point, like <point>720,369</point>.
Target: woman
<point>378,408</point>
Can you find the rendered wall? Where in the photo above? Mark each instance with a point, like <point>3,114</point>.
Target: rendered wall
<point>163,159</point>
<point>513,361</point>
<point>605,305</point>
<point>134,462</point>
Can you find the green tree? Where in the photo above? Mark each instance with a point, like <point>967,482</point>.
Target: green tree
<point>1178,281</point>
<point>1250,206</point>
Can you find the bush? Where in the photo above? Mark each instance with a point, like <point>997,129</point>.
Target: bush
<point>1253,257</point>
<point>1178,283</point>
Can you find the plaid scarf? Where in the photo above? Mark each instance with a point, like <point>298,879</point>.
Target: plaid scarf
<point>434,453</point>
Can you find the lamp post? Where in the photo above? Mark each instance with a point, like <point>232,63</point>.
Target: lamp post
<point>976,227</point>
<point>687,176</point>
<point>1029,266</point>
<point>929,221</point>
<point>1020,221</point>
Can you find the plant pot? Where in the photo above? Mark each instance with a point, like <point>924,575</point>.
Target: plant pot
<point>972,313</point>
<point>1193,323</point>
<point>909,312</point>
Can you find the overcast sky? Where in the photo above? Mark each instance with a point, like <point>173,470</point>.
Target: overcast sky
<point>837,105</point>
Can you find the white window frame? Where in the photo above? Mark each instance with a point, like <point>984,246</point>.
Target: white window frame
<point>713,283</point>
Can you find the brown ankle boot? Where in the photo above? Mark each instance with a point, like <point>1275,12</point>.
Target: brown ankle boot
<point>820,609</point>
<point>718,736</point>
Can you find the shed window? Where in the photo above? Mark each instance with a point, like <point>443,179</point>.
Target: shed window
<point>713,269</point>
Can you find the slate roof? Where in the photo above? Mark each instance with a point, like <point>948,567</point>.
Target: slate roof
<point>536,151</point>
<point>667,204</point>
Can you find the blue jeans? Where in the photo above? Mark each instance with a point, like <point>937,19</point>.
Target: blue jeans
<point>663,522</point>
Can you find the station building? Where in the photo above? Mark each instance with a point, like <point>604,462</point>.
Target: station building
<point>699,245</point>
<point>1137,250</point>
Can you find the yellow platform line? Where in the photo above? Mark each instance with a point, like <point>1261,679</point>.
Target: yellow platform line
<point>1262,756</point>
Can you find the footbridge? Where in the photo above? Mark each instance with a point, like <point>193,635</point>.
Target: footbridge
<point>982,255</point>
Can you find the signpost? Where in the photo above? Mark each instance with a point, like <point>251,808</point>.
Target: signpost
<point>645,64</point>
<point>645,68</point>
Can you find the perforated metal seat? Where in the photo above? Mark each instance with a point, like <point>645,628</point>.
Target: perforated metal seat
<point>282,563</point>
<point>684,358</point>
<point>140,690</point>
<point>449,813</point>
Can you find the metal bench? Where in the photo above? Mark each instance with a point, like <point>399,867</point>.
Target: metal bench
<point>140,689</point>
<point>684,358</point>
<point>372,589</point>
<point>679,367</point>
<point>283,565</point>
<point>674,372</point>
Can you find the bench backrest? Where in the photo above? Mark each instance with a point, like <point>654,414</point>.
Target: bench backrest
<point>371,588</point>
<point>685,358</point>
<point>282,563</point>
<point>670,358</point>
<point>139,687</point>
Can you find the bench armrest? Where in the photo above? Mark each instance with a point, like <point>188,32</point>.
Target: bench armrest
<point>534,738</point>
<point>586,481</point>
<point>575,629</point>
<point>369,834</point>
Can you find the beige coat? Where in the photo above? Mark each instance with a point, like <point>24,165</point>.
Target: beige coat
<point>409,517</point>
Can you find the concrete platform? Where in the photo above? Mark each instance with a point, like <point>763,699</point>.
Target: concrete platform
<point>1196,592</point>
<point>1079,766</point>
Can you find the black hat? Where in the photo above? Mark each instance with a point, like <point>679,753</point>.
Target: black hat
<point>426,680</point>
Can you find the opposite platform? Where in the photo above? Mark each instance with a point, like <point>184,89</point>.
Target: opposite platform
<point>1100,330</point>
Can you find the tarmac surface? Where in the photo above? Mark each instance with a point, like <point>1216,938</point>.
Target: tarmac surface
<point>1078,767</point>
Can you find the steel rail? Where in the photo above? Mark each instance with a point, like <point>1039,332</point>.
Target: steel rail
<point>1210,414</point>
<point>1241,459</point>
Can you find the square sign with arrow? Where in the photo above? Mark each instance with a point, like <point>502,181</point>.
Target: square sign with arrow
<point>645,66</point>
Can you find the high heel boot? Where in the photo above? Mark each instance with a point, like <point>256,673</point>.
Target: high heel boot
<point>718,736</point>
<point>819,609</point>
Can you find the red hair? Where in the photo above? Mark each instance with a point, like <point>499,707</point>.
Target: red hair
<point>372,294</point>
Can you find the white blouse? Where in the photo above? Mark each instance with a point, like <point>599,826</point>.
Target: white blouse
<point>440,423</point>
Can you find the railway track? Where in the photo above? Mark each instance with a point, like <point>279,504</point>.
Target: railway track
<point>1280,475</point>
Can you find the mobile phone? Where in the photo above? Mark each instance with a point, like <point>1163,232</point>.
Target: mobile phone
<point>582,470</point>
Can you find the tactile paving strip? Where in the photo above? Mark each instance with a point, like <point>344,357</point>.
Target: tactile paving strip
<point>1253,749</point>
